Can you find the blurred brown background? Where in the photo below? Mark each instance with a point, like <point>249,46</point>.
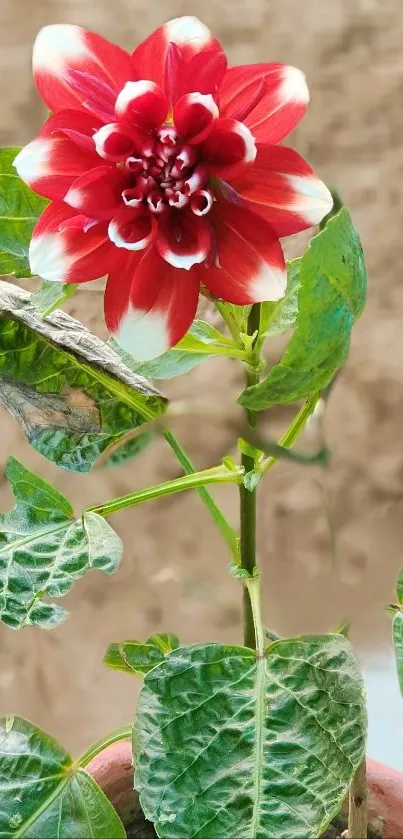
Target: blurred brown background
<point>173,577</point>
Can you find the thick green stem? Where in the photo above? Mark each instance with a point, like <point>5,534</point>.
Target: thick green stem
<point>248,502</point>
<point>216,475</point>
<point>223,525</point>
<point>94,750</point>
<point>358,805</point>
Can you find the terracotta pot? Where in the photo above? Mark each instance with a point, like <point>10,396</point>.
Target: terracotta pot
<point>385,790</point>
<point>113,771</point>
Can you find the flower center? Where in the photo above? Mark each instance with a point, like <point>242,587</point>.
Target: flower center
<point>168,174</point>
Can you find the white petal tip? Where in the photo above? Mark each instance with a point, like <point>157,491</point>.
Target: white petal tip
<point>56,43</point>
<point>294,86</point>
<point>313,200</point>
<point>31,161</point>
<point>143,335</point>
<point>181,30</point>
<point>270,284</point>
<point>47,257</point>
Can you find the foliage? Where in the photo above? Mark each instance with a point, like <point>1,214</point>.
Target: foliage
<point>19,210</point>
<point>44,549</point>
<point>331,298</point>
<point>214,755</point>
<point>44,794</point>
<point>70,392</point>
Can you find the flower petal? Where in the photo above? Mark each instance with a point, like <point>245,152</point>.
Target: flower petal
<point>270,98</point>
<point>49,165</point>
<point>143,104</point>
<point>63,49</point>
<point>194,116</point>
<point>131,229</point>
<point>204,72</point>
<point>183,239</point>
<point>98,193</point>
<point>250,264</point>
<point>228,148</point>
<point>79,126</point>
<point>188,33</point>
<point>66,248</point>
<point>151,313</point>
<point>282,188</point>
<point>115,142</point>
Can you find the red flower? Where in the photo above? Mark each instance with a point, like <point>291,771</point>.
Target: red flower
<point>164,174</point>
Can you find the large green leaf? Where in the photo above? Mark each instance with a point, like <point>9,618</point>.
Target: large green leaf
<point>44,549</point>
<point>70,392</point>
<point>43,794</point>
<point>201,342</point>
<point>19,211</point>
<point>140,657</point>
<point>230,745</point>
<point>331,298</point>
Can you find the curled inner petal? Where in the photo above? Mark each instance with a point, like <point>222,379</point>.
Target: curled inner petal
<point>183,239</point>
<point>194,116</point>
<point>142,103</point>
<point>229,147</point>
<point>130,229</point>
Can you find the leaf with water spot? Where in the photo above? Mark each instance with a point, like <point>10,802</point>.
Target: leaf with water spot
<point>71,394</point>
<point>227,744</point>
<point>43,795</point>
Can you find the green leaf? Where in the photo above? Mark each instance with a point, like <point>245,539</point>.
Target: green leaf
<point>399,587</point>
<point>51,295</point>
<point>43,794</point>
<point>70,392</point>
<point>19,211</point>
<point>129,449</point>
<point>44,550</point>
<point>331,298</point>
<point>276,318</point>
<point>397,635</point>
<point>201,342</point>
<point>230,745</point>
<point>140,657</point>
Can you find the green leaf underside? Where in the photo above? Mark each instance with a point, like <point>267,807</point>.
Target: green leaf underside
<point>129,449</point>
<point>42,795</point>
<point>140,657</point>
<point>51,295</point>
<point>69,391</point>
<point>397,635</point>
<point>19,210</point>
<point>331,298</point>
<point>228,745</point>
<point>276,318</point>
<point>44,550</point>
<point>399,587</point>
<point>196,346</point>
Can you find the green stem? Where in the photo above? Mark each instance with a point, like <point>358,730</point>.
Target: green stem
<point>229,320</point>
<point>94,750</point>
<point>222,523</point>
<point>216,475</point>
<point>293,431</point>
<point>248,500</point>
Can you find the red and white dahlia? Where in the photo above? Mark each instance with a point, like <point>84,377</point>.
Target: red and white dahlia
<point>164,174</point>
